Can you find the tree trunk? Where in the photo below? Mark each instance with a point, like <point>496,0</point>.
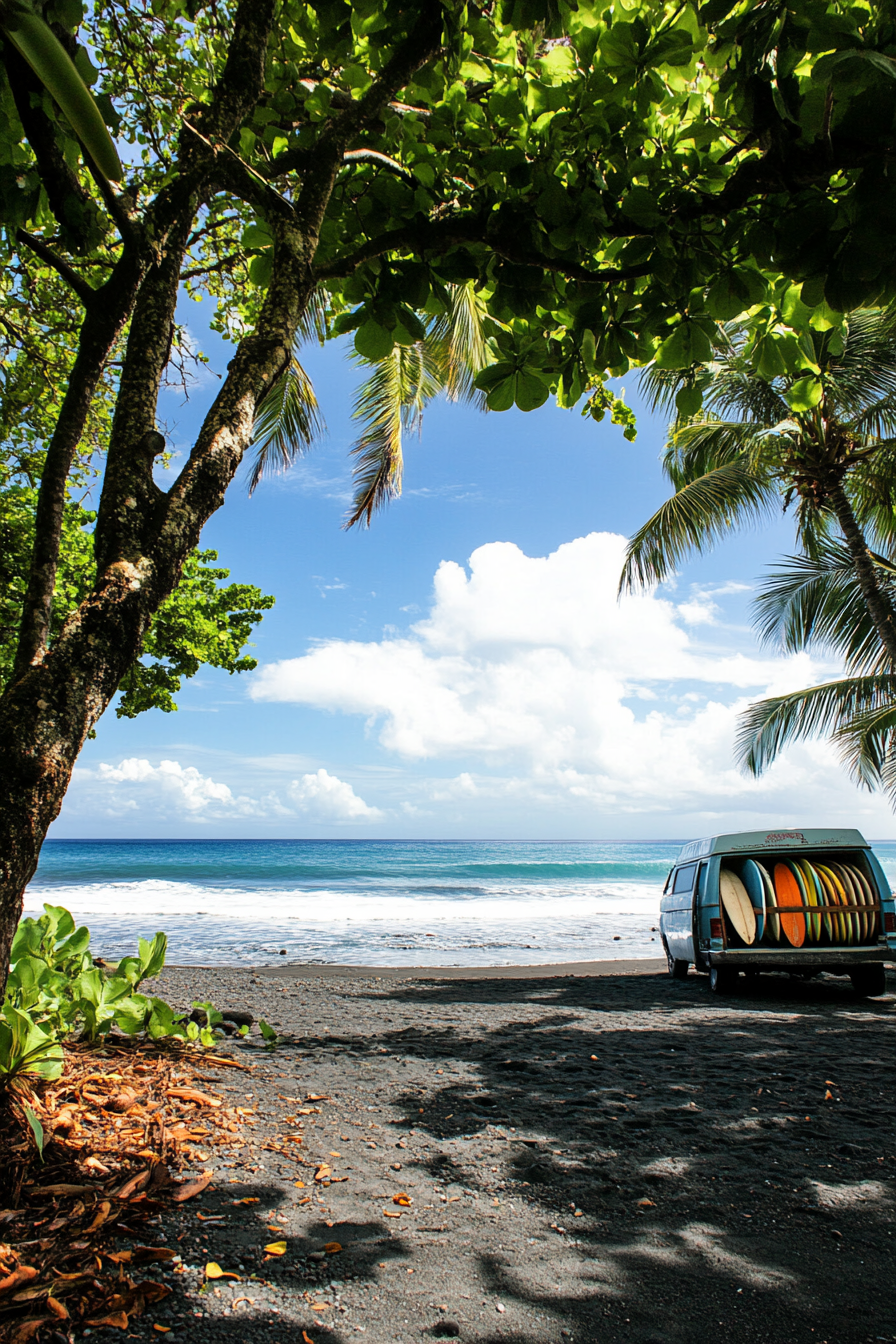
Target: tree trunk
<point>144,536</point>
<point>878,603</point>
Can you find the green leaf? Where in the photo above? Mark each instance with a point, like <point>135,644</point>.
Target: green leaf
<point>687,345</point>
<point>373,341</point>
<point>689,400</point>
<point>37,1128</point>
<point>51,63</point>
<point>804,394</point>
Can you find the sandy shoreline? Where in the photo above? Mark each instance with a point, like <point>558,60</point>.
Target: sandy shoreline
<point>547,970</point>
<point>582,1157</point>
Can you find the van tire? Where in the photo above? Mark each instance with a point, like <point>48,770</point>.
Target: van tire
<point>869,981</point>
<point>722,979</point>
<point>677,969</point>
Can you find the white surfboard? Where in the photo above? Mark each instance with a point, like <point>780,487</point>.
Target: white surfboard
<point>738,906</point>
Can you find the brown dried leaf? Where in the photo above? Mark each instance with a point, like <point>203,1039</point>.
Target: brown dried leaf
<point>23,1274</point>
<point>323,1172</point>
<point>192,1094</point>
<point>117,1318</point>
<point>192,1188</point>
<point>27,1330</point>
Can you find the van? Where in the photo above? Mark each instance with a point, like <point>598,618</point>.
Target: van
<point>801,902</point>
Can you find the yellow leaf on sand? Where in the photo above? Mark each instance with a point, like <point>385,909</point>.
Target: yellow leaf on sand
<point>392,1213</point>
<point>333,1248</point>
<point>162,1329</point>
<point>335,1154</point>
<point>403,1199</point>
<point>276,1248</point>
<point>214,1271</point>
<point>320,1306</point>
<point>323,1172</point>
<point>300,1185</point>
<point>646,1204</point>
<point>252,1199</point>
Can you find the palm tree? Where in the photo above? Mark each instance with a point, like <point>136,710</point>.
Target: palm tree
<point>815,602</point>
<point>390,403</point>
<point>748,451</point>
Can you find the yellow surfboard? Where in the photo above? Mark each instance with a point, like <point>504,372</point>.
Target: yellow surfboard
<point>870,900</point>
<point>855,897</point>
<point>813,922</point>
<point>772,920</point>
<point>842,921</point>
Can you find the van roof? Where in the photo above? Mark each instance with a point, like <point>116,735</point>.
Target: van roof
<point>742,841</point>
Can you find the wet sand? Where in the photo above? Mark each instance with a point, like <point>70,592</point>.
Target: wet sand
<point>589,1156</point>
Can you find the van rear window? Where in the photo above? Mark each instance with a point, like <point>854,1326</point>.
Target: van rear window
<point>684,878</point>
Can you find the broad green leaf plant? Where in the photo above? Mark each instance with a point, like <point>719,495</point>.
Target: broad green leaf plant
<point>56,989</point>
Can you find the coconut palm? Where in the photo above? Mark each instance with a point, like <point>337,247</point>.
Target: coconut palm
<point>815,602</point>
<point>749,452</point>
<point>389,404</point>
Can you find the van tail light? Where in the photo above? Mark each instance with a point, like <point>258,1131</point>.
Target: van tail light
<point>889,922</point>
<point>715,928</point>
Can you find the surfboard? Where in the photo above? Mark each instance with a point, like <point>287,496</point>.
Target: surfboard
<point>738,906</point>
<point>789,892</point>
<point>752,880</point>
<point>828,919</point>
<point>855,897</point>
<point>842,927</point>
<point>813,922</point>
<point>870,899</point>
<point>772,922</point>
<point>850,916</point>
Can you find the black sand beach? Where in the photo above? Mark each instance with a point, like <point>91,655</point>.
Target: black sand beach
<point>605,1156</point>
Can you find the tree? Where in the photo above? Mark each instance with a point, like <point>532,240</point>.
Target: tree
<point>816,602</point>
<point>606,180</point>
<point>764,438</point>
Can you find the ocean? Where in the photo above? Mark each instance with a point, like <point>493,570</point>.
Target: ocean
<point>365,902</point>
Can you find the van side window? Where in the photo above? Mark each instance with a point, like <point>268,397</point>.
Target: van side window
<point>684,878</point>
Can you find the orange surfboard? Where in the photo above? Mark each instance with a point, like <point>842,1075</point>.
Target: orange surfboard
<point>787,891</point>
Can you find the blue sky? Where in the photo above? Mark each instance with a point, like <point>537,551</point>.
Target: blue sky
<point>463,668</point>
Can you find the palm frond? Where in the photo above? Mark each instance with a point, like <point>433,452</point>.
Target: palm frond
<point>694,519</point>
<point>313,322</point>
<point>287,422</point>
<point>814,601</point>
<point>865,372</point>
<point>390,403</point>
<point>698,446</point>
<point>461,340</point>
<point>836,709</point>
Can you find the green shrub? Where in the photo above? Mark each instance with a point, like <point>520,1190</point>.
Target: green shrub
<point>56,989</point>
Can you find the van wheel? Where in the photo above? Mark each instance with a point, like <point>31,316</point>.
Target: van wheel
<point>677,969</point>
<point>869,981</point>
<point>722,979</point>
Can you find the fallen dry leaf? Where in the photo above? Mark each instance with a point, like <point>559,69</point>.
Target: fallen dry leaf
<point>117,1318</point>
<point>392,1213</point>
<point>27,1330</point>
<point>24,1274</point>
<point>214,1271</point>
<point>317,1096</point>
<point>324,1171</point>
<point>57,1308</point>
<point>646,1204</point>
<point>253,1199</point>
<point>828,1096</point>
<point>320,1306</point>
<point>192,1094</point>
<point>162,1329</point>
<point>192,1188</point>
<point>335,1154</point>
<point>300,1185</point>
<point>403,1199</point>
<point>276,1248</point>
<point>306,1338</point>
<point>333,1248</point>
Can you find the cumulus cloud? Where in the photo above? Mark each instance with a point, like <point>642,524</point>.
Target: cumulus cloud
<point>534,667</point>
<point>170,789</point>
<point>325,798</point>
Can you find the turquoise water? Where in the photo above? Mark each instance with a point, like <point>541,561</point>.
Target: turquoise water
<point>366,902</point>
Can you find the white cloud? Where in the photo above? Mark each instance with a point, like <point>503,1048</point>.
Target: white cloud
<point>532,663</point>
<point>325,798</point>
<point>172,790</point>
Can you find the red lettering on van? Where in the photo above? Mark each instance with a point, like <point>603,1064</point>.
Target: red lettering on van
<point>779,837</point>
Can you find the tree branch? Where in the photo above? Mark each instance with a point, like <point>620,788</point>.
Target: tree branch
<point>470,228</point>
<point>85,292</point>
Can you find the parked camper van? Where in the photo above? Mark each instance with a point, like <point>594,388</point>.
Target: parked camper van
<point>795,901</point>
